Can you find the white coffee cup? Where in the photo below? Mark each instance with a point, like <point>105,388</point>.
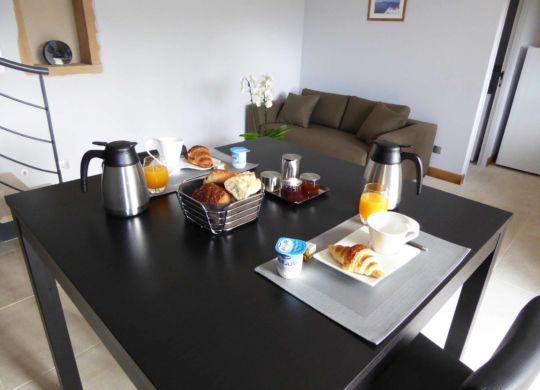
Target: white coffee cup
<point>169,149</point>
<point>389,231</point>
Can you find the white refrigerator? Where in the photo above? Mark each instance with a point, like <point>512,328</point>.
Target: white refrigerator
<point>520,147</point>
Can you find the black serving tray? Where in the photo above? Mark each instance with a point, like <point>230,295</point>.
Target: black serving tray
<point>322,190</point>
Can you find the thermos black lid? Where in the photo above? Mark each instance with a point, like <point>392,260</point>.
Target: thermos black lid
<point>119,153</point>
<point>386,152</point>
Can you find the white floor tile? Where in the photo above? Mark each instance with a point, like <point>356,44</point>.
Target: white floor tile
<point>97,368</point>
<point>14,282</point>
<point>516,277</point>
<point>500,306</point>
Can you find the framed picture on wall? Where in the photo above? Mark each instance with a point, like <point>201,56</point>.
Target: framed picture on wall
<point>388,10</point>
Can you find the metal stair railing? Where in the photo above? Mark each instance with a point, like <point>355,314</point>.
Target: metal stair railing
<point>40,72</point>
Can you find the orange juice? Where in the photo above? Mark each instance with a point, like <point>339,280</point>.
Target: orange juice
<point>371,202</point>
<point>156,176</point>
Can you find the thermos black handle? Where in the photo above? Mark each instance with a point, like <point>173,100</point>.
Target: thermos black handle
<point>84,165</point>
<point>419,170</point>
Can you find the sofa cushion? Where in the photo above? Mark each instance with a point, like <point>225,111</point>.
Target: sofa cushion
<point>382,119</point>
<point>330,108</point>
<point>401,109</point>
<point>333,142</point>
<point>297,109</point>
<point>356,113</point>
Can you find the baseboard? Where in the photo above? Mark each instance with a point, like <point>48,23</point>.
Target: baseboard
<point>491,160</point>
<point>446,175</point>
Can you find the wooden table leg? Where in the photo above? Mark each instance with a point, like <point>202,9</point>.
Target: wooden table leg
<point>52,316</point>
<point>469,299</point>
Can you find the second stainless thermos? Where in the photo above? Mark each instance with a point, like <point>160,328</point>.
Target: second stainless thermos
<point>384,167</point>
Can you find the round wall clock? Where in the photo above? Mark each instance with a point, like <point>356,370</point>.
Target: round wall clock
<point>57,53</point>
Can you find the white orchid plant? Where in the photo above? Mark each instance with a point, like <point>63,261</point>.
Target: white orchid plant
<point>261,93</point>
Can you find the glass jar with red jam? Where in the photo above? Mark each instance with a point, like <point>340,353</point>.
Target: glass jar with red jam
<point>310,184</point>
<point>291,189</point>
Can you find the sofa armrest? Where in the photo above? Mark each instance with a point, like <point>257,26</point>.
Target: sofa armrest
<point>272,115</point>
<point>421,136</point>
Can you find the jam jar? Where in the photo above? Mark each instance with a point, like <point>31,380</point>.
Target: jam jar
<point>310,183</point>
<point>291,189</point>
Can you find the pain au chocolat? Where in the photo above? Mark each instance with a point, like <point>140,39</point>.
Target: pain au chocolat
<point>213,194</point>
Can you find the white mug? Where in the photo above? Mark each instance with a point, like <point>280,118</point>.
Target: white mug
<point>389,231</point>
<point>169,149</point>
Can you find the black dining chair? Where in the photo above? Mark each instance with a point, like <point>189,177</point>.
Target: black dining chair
<point>514,365</point>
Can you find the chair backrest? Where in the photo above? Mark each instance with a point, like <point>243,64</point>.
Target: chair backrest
<point>516,362</point>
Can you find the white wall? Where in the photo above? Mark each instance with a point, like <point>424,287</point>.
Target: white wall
<point>526,33</point>
<point>169,67</point>
<point>436,61</point>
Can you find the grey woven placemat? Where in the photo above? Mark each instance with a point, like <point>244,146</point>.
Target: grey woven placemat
<point>370,312</point>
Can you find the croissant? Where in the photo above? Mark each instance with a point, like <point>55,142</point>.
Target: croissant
<point>200,156</point>
<point>357,258</point>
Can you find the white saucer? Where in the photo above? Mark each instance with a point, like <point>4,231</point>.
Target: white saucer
<point>184,164</point>
<point>388,263</point>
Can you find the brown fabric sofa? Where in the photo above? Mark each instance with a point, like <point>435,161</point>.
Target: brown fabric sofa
<point>334,123</point>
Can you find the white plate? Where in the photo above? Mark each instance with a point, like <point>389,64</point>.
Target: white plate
<point>388,263</point>
<point>185,164</point>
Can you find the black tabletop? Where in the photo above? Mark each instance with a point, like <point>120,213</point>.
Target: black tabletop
<point>188,307</point>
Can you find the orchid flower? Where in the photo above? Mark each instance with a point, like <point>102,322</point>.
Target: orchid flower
<point>261,93</point>
<point>244,85</point>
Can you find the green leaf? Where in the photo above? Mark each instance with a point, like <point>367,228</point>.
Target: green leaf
<point>282,132</point>
<point>250,135</point>
<point>278,133</point>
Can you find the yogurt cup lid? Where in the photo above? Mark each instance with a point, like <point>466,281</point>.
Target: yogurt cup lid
<point>239,149</point>
<point>290,246</point>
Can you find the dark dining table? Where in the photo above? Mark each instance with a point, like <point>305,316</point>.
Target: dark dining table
<point>178,307</point>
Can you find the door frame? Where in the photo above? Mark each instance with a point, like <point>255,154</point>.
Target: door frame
<point>502,95</point>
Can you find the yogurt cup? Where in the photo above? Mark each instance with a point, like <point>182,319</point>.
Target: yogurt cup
<point>290,256</point>
<point>239,156</point>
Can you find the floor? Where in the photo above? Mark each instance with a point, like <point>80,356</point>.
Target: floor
<point>25,361</point>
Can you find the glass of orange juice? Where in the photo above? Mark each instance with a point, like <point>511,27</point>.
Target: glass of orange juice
<point>373,199</point>
<point>156,175</point>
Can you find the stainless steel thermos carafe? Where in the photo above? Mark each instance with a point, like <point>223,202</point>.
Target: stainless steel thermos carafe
<point>384,166</point>
<point>122,184</point>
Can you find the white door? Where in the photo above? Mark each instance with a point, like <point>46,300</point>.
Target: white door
<point>520,147</point>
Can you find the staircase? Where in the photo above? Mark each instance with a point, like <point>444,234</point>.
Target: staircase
<point>7,226</point>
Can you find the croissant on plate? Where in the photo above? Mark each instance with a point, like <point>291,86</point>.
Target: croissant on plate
<point>200,156</point>
<point>357,258</point>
